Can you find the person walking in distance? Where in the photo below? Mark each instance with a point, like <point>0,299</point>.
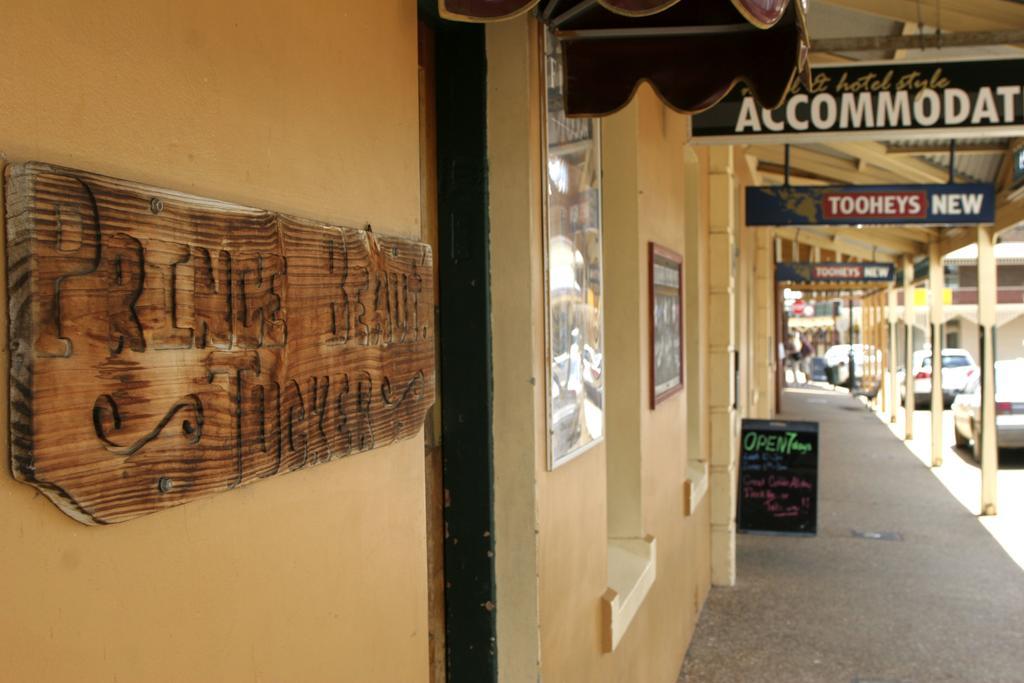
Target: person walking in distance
<point>806,351</point>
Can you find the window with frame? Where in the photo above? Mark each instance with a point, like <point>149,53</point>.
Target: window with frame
<point>574,302</point>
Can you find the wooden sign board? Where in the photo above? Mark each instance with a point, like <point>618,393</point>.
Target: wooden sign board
<point>778,487</point>
<point>166,347</point>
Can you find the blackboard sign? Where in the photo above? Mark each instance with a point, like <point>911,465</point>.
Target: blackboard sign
<point>778,488</point>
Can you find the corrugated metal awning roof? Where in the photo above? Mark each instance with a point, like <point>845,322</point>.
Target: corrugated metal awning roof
<point>976,159</point>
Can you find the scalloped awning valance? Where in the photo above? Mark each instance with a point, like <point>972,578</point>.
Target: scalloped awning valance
<point>692,52</point>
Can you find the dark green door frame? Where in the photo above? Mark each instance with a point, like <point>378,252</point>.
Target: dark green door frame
<point>463,264</point>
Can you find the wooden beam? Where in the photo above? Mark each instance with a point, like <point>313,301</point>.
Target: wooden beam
<point>955,238</point>
<point>750,162</point>
<point>891,338</point>
<point>936,283</point>
<point>819,58</point>
<point>910,169</point>
<point>931,40</point>
<point>1004,176</point>
<point>909,28</point>
<point>908,324</point>
<point>815,237</point>
<point>986,446</point>
<point>745,173</point>
<point>962,149</point>
<point>775,173</point>
<point>922,234</point>
<point>977,15</point>
<point>886,238</point>
<point>839,286</point>
<point>1008,215</point>
<point>824,166</point>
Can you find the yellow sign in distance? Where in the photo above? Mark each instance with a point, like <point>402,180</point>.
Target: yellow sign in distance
<point>921,296</point>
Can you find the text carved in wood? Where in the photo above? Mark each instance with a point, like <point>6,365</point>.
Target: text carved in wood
<point>166,347</point>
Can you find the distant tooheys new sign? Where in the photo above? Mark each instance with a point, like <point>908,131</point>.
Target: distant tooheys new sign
<point>834,272</point>
<point>886,100</point>
<point>972,203</point>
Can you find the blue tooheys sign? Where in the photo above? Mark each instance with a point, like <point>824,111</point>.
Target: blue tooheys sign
<point>970,203</point>
<point>834,272</point>
<point>887,100</point>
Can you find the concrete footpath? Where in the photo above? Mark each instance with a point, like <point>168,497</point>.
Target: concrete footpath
<point>941,601</point>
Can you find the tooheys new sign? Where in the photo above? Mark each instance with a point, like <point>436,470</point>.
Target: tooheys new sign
<point>882,100</point>
<point>802,272</point>
<point>966,203</point>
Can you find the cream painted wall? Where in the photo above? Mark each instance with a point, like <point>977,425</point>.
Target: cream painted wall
<point>671,608</point>
<point>1009,338</point>
<point>625,268</point>
<point>517,327</point>
<point>745,283</point>
<point>755,304</point>
<point>763,340</point>
<point>572,499</point>
<point>308,108</point>
<point>695,308</point>
<point>723,343</point>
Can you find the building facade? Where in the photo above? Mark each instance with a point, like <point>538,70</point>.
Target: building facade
<point>570,500</point>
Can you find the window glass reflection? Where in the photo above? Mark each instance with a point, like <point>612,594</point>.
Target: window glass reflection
<point>573,220</point>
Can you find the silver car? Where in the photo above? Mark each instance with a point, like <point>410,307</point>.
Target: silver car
<point>959,371</point>
<point>1009,408</point>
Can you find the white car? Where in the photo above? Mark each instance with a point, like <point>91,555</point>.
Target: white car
<point>1009,408</point>
<point>958,372</point>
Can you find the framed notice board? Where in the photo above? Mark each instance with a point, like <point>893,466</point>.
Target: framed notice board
<point>666,321</point>
<point>778,487</point>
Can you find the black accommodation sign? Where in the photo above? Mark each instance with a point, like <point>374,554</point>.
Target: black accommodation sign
<point>880,100</point>
<point>778,487</point>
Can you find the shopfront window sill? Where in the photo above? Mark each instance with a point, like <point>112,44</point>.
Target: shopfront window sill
<point>695,486</point>
<point>632,564</point>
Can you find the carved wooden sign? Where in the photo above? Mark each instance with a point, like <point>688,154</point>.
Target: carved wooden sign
<point>166,347</point>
